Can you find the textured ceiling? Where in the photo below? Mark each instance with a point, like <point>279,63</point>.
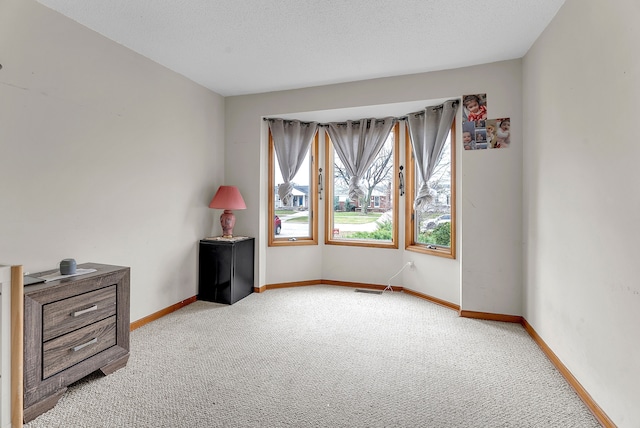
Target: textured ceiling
<point>250,46</point>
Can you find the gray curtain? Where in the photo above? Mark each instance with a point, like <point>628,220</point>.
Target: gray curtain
<point>428,130</point>
<point>357,143</point>
<point>291,141</point>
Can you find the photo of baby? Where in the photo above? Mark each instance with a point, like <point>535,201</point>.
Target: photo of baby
<point>492,126</point>
<point>473,138</point>
<point>481,138</point>
<point>467,140</point>
<point>503,133</point>
<point>479,132</point>
<point>474,108</point>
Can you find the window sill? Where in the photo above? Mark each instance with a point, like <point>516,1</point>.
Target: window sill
<point>287,242</point>
<point>437,251</point>
<point>357,243</point>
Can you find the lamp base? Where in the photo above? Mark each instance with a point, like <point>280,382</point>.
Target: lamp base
<point>227,221</point>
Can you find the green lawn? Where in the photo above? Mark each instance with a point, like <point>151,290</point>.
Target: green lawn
<point>343,218</point>
<point>354,217</point>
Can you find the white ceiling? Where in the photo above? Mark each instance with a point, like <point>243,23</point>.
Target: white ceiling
<point>239,47</point>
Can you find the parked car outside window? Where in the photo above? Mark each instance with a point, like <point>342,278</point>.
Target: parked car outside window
<point>431,224</point>
<point>277,224</point>
<point>446,218</point>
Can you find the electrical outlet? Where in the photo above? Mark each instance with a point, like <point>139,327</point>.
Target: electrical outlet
<point>411,265</point>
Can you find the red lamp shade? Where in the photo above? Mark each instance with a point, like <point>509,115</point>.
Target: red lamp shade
<point>227,198</point>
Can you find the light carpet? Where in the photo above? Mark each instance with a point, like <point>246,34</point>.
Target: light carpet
<point>325,356</point>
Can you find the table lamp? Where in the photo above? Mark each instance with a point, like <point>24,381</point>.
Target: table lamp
<point>227,198</point>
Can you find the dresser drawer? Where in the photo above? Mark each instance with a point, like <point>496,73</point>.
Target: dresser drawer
<point>66,315</point>
<point>63,352</point>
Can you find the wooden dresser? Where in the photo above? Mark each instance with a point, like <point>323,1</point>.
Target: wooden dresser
<point>73,327</point>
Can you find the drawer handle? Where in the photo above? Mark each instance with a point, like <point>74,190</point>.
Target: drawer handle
<point>79,347</point>
<point>84,311</point>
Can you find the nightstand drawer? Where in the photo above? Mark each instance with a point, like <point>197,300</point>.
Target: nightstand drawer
<point>64,316</point>
<point>65,351</point>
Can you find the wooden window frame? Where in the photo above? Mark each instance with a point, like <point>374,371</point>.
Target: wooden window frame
<point>410,226</point>
<point>328,196</point>
<point>274,241</point>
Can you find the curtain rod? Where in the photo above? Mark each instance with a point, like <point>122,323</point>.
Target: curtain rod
<point>438,107</point>
<point>321,123</point>
<point>405,117</point>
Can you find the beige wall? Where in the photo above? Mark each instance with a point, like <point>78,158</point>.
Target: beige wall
<point>105,156</point>
<point>487,274</point>
<point>108,157</point>
<point>581,175</point>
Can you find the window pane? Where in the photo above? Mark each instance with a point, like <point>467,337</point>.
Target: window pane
<point>293,220</point>
<point>294,223</point>
<point>370,218</point>
<point>433,225</point>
